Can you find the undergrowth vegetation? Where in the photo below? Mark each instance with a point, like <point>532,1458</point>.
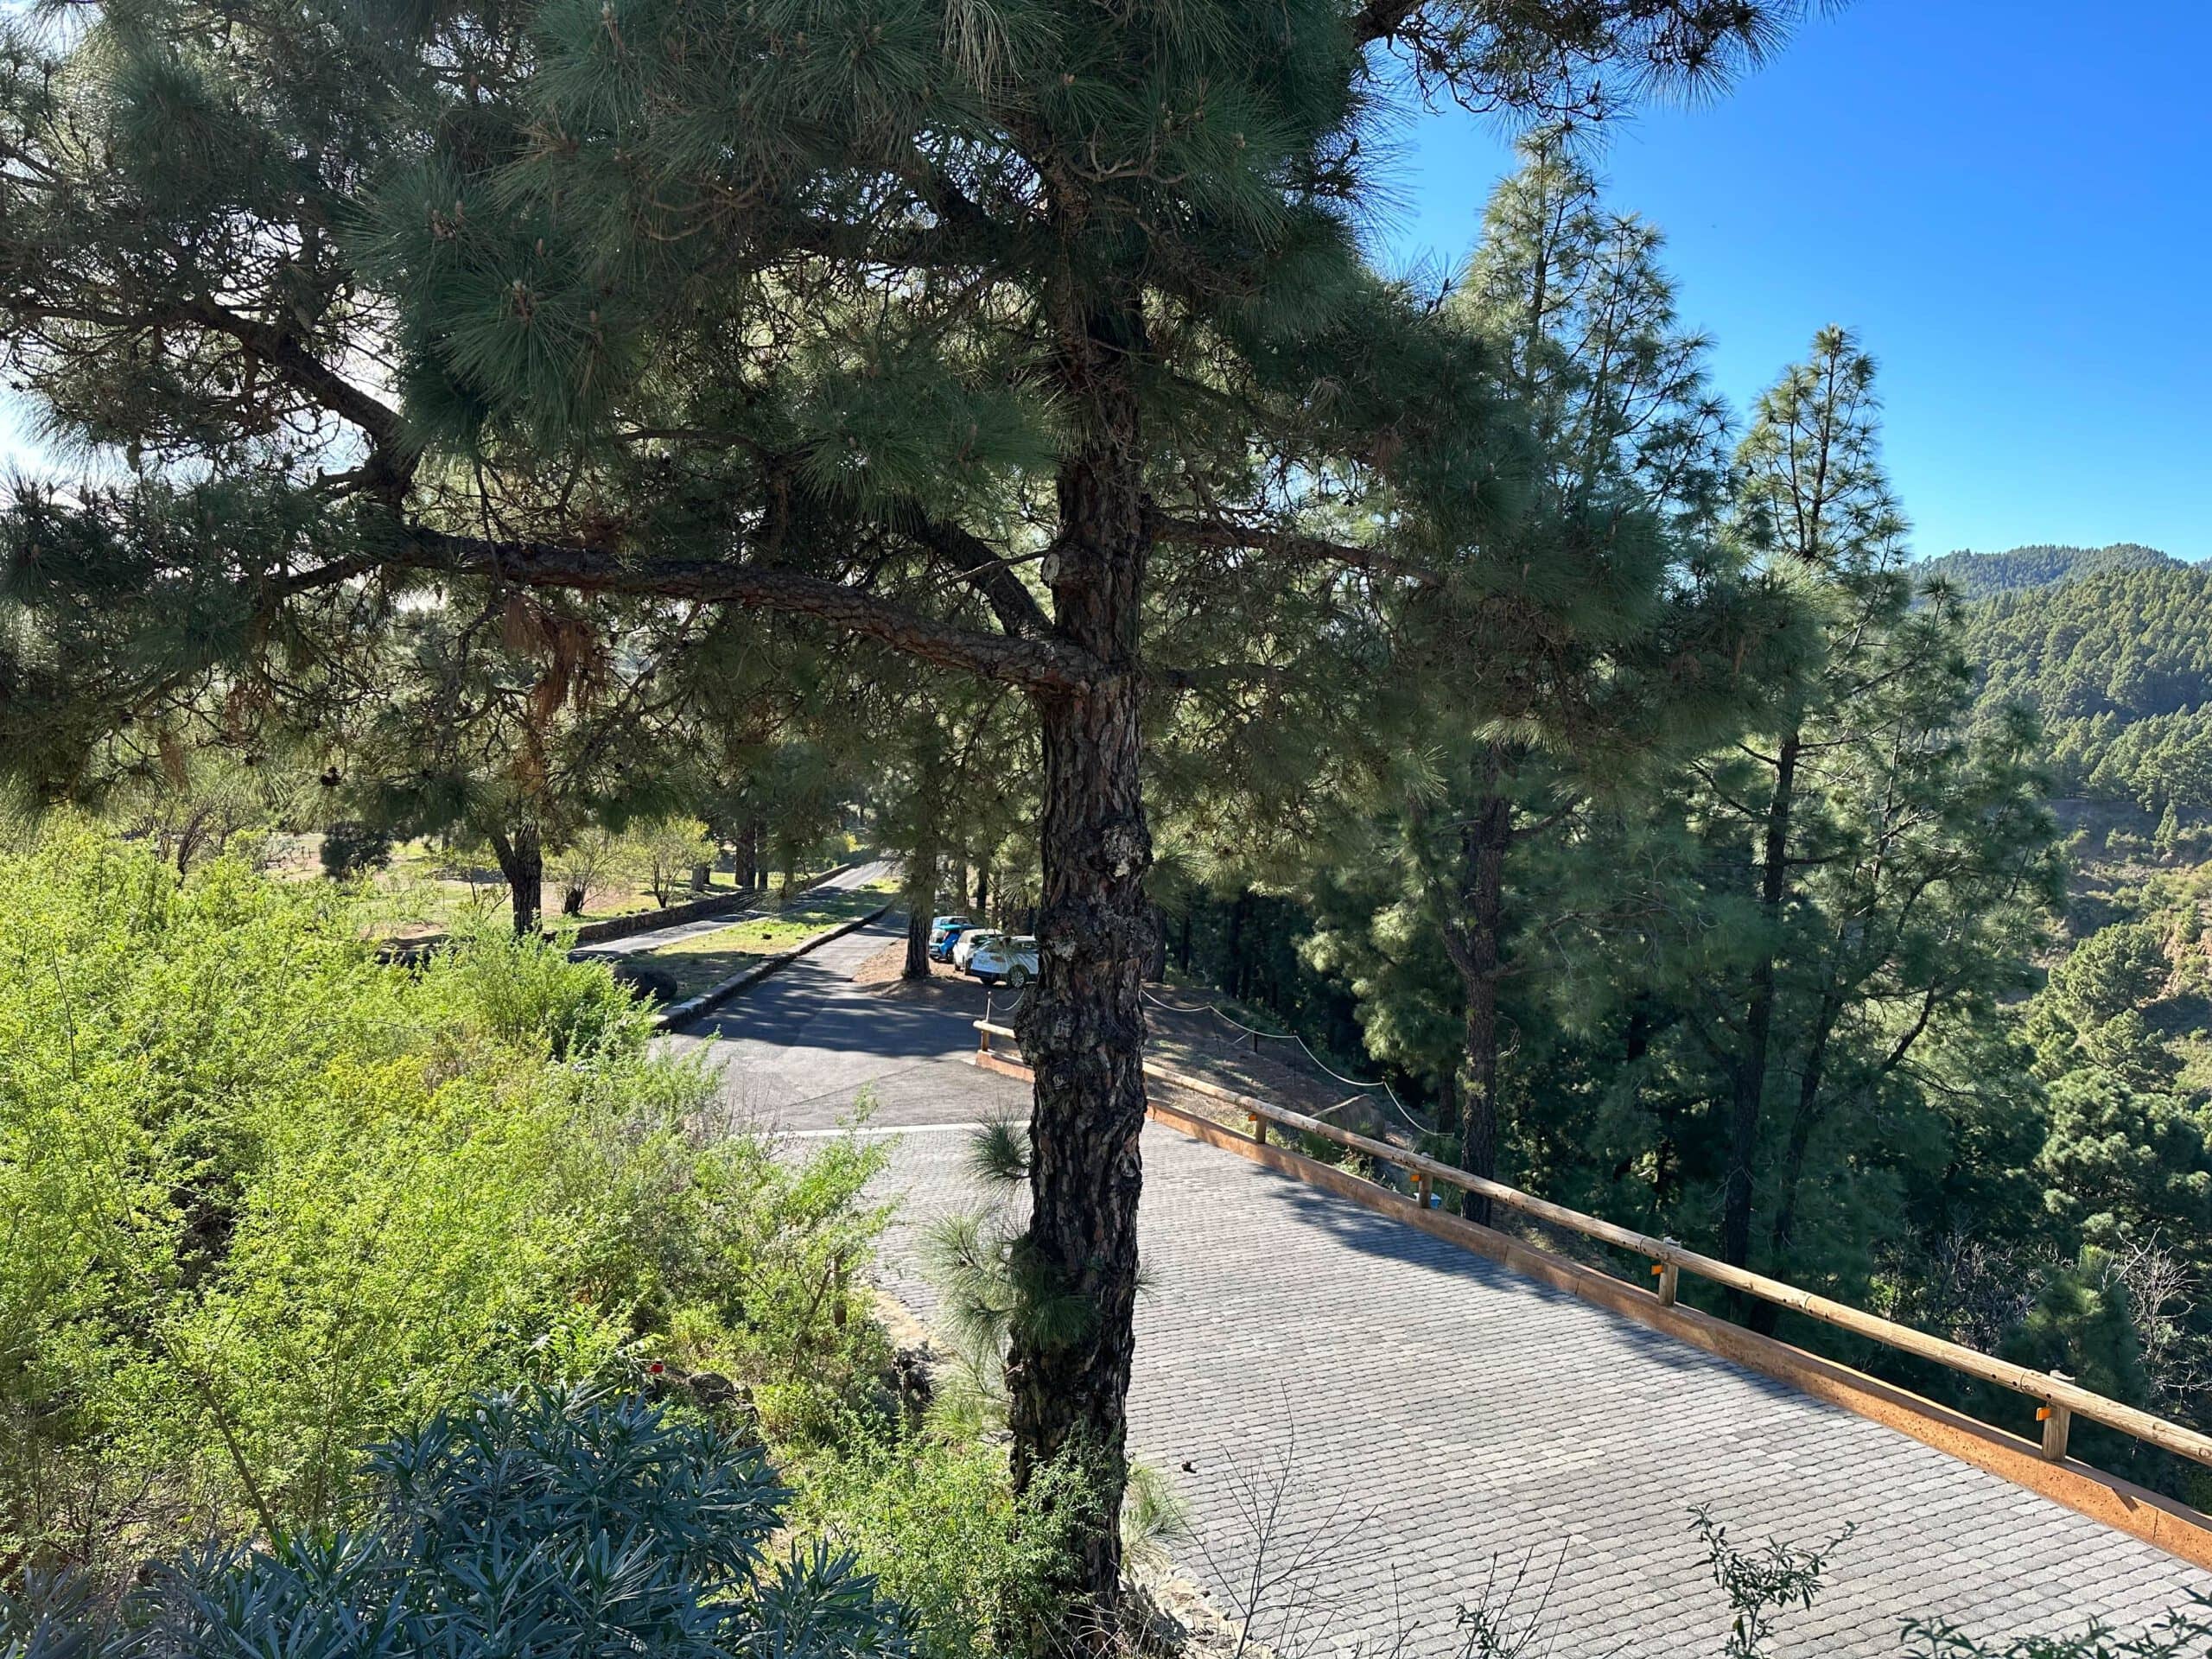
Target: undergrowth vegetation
<point>545,1524</point>
<point>269,1198</point>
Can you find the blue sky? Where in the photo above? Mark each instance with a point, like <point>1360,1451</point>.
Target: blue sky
<point>2010,202</point>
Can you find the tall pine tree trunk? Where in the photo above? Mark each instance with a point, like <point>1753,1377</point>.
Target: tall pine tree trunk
<point>1478,950</point>
<point>921,898</point>
<point>1083,1031</point>
<point>522,861</point>
<point>1748,1079</point>
<point>1806,1120</point>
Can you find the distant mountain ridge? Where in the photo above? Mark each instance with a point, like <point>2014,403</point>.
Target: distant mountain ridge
<point>1981,576</point>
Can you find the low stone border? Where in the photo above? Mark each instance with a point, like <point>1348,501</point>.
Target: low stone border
<point>691,1008</point>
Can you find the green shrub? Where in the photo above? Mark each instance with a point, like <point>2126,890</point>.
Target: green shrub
<point>935,1521</point>
<point>269,1199</point>
<point>542,1524</point>
<point>351,847</point>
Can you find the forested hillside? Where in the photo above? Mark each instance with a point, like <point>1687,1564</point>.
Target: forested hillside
<point>2118,667</point>
<point>1980,575</point>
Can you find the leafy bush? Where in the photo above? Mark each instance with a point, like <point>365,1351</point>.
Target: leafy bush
<point>936,1520</point>
<point>543,1524</point>
<point>2185,1633</point>
<point>350,848</point>
<point>269,1198</point>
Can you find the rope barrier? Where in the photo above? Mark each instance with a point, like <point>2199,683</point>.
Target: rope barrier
<point>1365,1089</point>
<point>1389,1093</point>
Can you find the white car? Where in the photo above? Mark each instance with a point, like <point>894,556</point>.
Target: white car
<point>964,946</point>
<point>1002,957</point>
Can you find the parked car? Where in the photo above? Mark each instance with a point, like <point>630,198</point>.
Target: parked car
<point>944,931</point>
<point>1010,957</point>
<point>966,946</point>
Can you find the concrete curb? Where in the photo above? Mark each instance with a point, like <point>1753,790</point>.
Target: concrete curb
<point>677,1013</point>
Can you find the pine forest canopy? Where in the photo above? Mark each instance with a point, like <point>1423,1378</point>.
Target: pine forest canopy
<point>1030,341</point>
<point>2117,668</point>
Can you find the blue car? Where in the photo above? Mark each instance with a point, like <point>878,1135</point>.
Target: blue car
<point>944,932</point>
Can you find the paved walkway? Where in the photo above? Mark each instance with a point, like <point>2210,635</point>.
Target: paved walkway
<point>1422,1421</point>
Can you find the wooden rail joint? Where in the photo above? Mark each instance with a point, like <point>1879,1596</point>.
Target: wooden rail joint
<point>2056,1420</point>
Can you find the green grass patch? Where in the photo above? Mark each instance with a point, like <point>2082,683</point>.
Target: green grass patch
<point>707,959</point>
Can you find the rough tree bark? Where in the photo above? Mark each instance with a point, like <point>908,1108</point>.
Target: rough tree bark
<point>1083,1030</point>
<point>1748,1076</point>
<point>921,894</point>
<point>522,861</point>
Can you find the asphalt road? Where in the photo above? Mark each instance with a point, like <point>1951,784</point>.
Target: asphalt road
<point>805,1046</point>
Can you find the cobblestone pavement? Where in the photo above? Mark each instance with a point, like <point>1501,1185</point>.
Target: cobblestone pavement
<point>1421,1421</point>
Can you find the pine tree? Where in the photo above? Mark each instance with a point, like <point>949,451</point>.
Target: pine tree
<point>1602,635</point>
<point>974,334</point>
<point>1893,871</point>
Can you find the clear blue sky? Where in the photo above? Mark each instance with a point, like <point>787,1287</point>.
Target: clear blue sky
<point>2010,202</point>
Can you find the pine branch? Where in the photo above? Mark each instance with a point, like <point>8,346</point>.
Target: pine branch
<point>1289,544</point>
<point>978,564</point>
<point>1041,664</point>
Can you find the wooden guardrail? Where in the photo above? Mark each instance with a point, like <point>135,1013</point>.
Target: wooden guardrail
<point>2059,1399</point>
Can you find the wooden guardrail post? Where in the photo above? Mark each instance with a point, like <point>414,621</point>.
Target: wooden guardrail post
<point>1671,1280</point>
<point>1259,1126</point>
<point>2057,1421</point>
<point>1424,1189</point>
